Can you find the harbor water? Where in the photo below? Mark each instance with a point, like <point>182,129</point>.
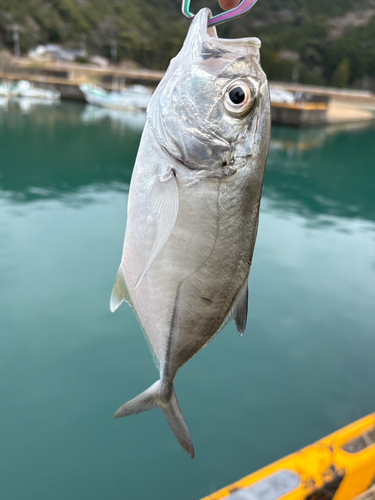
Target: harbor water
<point>304,368</point>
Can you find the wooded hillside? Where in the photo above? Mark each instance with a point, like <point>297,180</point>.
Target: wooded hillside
<point>320,41</point>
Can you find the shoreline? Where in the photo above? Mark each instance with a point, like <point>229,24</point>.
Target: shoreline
<point>344,106</point>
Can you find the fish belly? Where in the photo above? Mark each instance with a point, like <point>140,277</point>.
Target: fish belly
<point>191,286</point>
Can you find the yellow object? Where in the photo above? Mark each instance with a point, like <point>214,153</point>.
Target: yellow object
<point>311,106</point>
<point>339,466</point>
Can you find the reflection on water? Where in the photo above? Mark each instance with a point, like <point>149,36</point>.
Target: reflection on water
<point>322,172</point>
<point>28,104</point>
<point>304,367</point>
<point>49,149</point>
<point>3,102</point>
<point>134,120</point>
<point>286,139</point>
<point>25,104</point>
<point>316,172</point>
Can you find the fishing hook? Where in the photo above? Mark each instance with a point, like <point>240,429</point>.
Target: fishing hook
<point>239,11</point>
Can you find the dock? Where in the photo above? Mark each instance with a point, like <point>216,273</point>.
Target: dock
<point>337,106</point>
<point>304,114</point>
<point>324,106</point>
<point>67,77</point>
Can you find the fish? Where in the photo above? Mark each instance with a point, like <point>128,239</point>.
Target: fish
<point>193,207</point>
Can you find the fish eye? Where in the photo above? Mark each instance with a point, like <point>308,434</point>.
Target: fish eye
<point>239,97</point>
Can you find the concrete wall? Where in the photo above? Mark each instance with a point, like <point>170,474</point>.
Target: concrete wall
<point>299,117</point>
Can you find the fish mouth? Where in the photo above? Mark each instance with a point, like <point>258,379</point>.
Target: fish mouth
<point>210,30</point>
<point>241,46</point>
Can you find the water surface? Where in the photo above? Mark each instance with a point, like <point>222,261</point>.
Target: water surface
<point>304,367</point>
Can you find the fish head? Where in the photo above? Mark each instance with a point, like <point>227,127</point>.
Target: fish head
<point>212,108</point>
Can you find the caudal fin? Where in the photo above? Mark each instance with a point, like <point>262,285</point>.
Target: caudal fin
<point>151,398</point>
<point>173,414</point>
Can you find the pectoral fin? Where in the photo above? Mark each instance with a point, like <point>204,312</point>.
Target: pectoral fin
<point>165,202</point>
<point>120,291</point>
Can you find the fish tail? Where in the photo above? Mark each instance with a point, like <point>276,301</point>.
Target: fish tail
<point>147,400</point>
<point>173,414</point>
<point>153,398</point>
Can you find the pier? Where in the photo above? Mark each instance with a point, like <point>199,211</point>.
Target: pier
<point>325,106</point>
<point>67,77</point>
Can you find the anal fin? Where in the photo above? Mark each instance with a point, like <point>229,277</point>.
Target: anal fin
<point>238,312</point>
<point>120,292</point>
<point>240,307</point>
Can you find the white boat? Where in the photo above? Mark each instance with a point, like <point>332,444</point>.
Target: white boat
<point>25,89</point>
<point>5,89</point>
<point>281,96</point>
<point>133,98</point>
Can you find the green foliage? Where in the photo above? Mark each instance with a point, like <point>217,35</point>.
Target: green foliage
<point>282,70</point>
<point>341,76</point>
<point>358,48</point>
<point>81,60</point>
<point>150,32</point>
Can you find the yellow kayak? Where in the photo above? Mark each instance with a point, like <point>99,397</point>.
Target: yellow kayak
<point>339,466</point>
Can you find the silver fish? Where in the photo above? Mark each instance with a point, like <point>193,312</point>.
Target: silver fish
<point>194,206</point>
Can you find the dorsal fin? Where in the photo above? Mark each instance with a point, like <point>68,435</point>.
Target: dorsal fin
<point>120,292</point>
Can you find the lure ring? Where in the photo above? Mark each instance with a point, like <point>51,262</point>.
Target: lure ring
<point>243,8</point>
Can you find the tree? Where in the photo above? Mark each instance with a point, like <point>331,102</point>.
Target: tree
<point>341,76</point>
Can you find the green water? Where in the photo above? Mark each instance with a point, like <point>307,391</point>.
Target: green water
<point>304,367</point>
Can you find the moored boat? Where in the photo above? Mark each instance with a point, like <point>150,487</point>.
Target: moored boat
<point>5,89</point>
<point>25,89</point>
